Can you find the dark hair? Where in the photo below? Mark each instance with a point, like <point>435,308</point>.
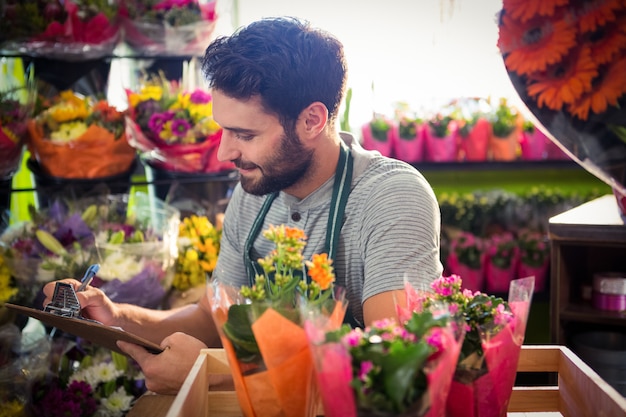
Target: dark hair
<point>284,61</point>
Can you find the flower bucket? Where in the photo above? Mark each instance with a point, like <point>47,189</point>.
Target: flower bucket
<point>505,148</point>
<point>497,279</point>
<point>438,149</point>
<point>534,145</point>
<point>487,393</point>
<point>51,187</point>
<point>385,147</point>
<point>539,272</point>
<point>410,150</point>
<point>475,145</point>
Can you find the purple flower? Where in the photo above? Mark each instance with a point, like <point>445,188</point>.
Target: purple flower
<point>158,120</point>
<point>200,97</point>
<point>180,127</point>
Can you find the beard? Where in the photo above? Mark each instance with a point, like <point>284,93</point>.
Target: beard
<point>288,165</point>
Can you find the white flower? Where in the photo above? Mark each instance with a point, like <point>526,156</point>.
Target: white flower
<point>121,266</point>
<point>98,373</point>
<point>117,403</point>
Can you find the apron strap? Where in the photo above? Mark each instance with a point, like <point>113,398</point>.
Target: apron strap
<point>251,266</point>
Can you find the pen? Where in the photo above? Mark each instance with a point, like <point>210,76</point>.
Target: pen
<point>89,274</point>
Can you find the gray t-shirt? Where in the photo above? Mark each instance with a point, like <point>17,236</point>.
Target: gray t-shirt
<point>391,229</point>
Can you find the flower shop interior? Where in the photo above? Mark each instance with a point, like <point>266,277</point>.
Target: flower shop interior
<point>526,156</point>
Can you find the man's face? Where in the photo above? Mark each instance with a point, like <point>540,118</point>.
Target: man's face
<point>268,159</point>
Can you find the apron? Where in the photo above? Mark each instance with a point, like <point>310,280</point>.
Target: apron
<point>341,191</point>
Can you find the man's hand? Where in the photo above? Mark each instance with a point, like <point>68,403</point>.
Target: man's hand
<point>166,372</point>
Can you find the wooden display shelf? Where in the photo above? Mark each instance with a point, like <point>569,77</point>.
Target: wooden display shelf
<point>579,392</point>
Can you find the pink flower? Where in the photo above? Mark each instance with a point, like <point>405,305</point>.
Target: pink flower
<point>366,368</point>
<point>169,4</point>
<point>200,97</point>
<point>180,127</point>
<point>353,338</point>
<point>157,120</point>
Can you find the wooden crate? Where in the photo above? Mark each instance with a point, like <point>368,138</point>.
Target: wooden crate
<point>580,392</point>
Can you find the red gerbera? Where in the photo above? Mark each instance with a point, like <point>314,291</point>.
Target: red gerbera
<point>526,9</point>
<point>565,82</point>
<point>592,14</point>
<point>607,89</point>
<point>532,46</point>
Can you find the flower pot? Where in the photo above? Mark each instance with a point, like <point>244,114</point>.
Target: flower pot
<point>476,144</point>
<point>534,145</point>
<point>410,150</point>
<point>50,187</point>
<point>539,272</point>
<point>505,148</point>
<point>204,194</point>
<point>385,147</point>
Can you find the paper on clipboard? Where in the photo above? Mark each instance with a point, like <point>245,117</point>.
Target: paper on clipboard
<point>92,331</point>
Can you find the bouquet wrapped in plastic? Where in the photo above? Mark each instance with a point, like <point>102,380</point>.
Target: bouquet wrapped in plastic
<point>168,27</point>
<point>387,369</point>
<point>261,327</point>
<point>15,111</point>
<point>173,127</point>
<point>487,365</point>
<point>72,30</point>
<point>80,137</point>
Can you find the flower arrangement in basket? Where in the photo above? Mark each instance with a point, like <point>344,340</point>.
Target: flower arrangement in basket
<point>170,27</point>
<point>386,369</point>
<point>75,136</point>
<point>86,381</point>
<point>261,326</point>
<point>172,127</point>
<point>72,29</point>
<point>494,333</point>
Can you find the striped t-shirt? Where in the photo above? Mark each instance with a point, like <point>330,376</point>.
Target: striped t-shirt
<point>391,229</point>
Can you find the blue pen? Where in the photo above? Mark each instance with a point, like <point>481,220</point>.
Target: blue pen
<point>89,274</point>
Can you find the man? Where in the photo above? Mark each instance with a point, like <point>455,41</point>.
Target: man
<point>277,85</point>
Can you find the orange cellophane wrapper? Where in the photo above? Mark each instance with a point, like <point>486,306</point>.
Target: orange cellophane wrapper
<point>95,154</point>
<point>489,395</point>
<point>287,387</point>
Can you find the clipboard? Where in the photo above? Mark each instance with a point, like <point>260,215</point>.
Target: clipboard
<point>90,330</point>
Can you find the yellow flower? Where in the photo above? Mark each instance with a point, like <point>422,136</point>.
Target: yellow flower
<point>6,290</point>
<point>68,132</point>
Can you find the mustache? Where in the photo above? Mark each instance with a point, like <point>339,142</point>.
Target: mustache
<point>244,165</point>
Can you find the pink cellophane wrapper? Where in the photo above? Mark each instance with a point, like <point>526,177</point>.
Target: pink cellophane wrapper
<point>408,150</point>
<point>440,149</point>
<point>369,142</point>
<point>190,158</point>
<point>333,366</point>
<point>534,145</point>
<point>489,395</point>
<point>473,279</point>
<point>476,144</point>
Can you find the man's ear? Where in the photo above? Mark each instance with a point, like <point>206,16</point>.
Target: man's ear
<point>313,120</point>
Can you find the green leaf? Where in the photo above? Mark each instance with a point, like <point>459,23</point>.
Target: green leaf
<point>238,329</point>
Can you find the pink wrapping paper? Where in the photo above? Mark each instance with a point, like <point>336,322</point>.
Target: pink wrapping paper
<point>408,150</point>
<point>369,142</point>
<point>441,149</point>
<point>476,144</point>
<point>489,395</point>
<point>534,145</point>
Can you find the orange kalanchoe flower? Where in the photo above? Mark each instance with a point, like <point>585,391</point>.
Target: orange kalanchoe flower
<point>321,271</point>
<point>565,82</point>
<point>593,14</point>
<point>532,46</point>
<point>608,88</point>
<point>525,9</point>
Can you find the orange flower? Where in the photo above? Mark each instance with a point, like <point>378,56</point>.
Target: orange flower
<point>607,41</point>
<point>592,14</point>
<point>608,88</point>
<point>532,46</point>
<point>565,82</point>
<point>321,271</point>
<point>525,9</point>
<point>294,233</point>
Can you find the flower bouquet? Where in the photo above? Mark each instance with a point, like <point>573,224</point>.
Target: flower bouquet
<point>70,30</point>
<point>80,138</point>
<point>261,326</point>
<point>15,110</point>
<point>566,61</point>
<point>467,258</point>
<point>378,135</point>
<point>440,139</point>
<point>534,256</point>
<point>487,364</point>
<point>173,127</point>
<point>136,244</point>
<point>198,248</point>
<point>168,27</point>
<point>501,261</point>
<point>84,380</point>
<point>387,369</point>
